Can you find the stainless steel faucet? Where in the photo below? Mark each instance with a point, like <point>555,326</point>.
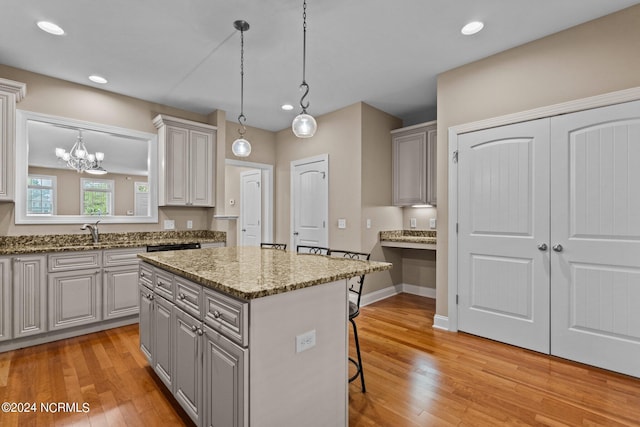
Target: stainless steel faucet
<point>93,229</point>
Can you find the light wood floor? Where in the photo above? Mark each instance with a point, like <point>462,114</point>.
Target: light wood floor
<point>416,376</point>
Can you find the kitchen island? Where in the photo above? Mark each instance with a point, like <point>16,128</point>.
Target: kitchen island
<point>249,336</point>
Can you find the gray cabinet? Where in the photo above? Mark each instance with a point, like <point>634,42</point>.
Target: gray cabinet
<point>224,366</point>
<point>5,298</point>
<point>10,93</point>
<point>146,322</point>
<point>29,295</point>
<point>188,365</point>
<point>414,165</point>
<point>75,298</point>
<point>163,340</point>
<point>120,282</point>
<point>187,172</point>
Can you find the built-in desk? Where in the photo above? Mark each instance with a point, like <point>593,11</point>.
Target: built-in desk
<point>409,239</point>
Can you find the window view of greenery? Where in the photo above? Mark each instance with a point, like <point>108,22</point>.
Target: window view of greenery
<point>41,195</point>
<point>97,196</point>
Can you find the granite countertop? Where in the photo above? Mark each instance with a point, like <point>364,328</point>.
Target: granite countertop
<point>250,272</point>
<point>409,236</point>
<point>12,245</point>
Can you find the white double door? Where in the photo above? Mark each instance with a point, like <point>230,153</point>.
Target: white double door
<point>549,236</point>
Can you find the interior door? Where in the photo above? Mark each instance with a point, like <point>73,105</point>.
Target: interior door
<point>251,208</point>
<point>595,221</point>
<point>503,234</point>
<point>310,202</point>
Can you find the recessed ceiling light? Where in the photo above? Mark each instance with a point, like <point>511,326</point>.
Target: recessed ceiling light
<point>97,79</point>
<point>287,107</point>
<point>50,28</point>
<point>472,28</point>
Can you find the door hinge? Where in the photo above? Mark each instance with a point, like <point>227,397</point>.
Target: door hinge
<point>324,175</point>
<point>455,157</point>
<point>324,225</point>
<point>457,299</point>
<point>457,228</point>
<point>258,184</point>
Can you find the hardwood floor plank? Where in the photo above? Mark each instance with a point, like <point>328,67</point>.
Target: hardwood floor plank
<point>416,376</point>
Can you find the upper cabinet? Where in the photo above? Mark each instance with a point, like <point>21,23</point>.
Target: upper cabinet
<point>187,162</point>
<point>10,93</point>
<point>414,165</point>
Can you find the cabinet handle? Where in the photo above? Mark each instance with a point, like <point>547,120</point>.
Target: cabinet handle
<point>543,246</point>
<point>558,247</point>
<point>17,260</point>
<point>182,296</point>
<point>194,328</point>
<point>142,274</point>
<point>150,297</point>
<point>217,314</point>
<point>160,284</point>
<point>200,332</point>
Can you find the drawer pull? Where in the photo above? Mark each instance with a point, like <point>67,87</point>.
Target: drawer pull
<point>200,332</point>
<point>217,314</point>
<point>149,297</point>
<point>194,328</point>
<point>182,296</point>
<point>142,274</point>
<point>160,284</point>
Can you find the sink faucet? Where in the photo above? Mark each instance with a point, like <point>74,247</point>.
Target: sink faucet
<point>93,229</point>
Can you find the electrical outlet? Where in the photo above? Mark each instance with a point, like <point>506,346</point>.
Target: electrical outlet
<point>169,224</point>
<point>432,223</point>
<point>368,223</point>
<point>305,341</point>
<point>189,224</point>
<point>413,223</point>
<point>342,223</point>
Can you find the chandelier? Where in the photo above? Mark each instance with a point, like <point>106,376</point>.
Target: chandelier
<point>80,159</point>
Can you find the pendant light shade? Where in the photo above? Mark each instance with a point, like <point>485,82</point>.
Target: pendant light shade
<point>241,147</point>
<point>304,125</point>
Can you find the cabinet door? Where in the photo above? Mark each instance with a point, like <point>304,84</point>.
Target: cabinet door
<point>410,168</point>
<point>10,92</point>
<point>432,166</point>
<point>177,166</point>
<point>201,171</point>
<point>120,291</point>
<point>163,319</point>
<point>188,367</point>
<point>29,295</point>
<point>5,299</point>
<point>225,389</point>
<point>75,298</point>
<point>146,322</point>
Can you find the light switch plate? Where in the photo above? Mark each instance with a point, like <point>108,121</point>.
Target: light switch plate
<point>189,223</point>
<point>169,224</point>
<point>342,223</point>
<point>413,223</point>
<point>432,223</point>
<point>368,223</point>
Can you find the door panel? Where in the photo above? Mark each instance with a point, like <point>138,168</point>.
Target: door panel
<point>251,208</point>
<point>595,285</point>
<point>310,201</point>
<point>503,213</point>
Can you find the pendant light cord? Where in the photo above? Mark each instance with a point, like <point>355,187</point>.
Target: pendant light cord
<point>304,86</point>
<point>241,118</point>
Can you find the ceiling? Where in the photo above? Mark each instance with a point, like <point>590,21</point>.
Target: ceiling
<point>186,54</point>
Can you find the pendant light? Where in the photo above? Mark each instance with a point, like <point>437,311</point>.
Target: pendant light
<point>241,147</point>
<point>304,125</point>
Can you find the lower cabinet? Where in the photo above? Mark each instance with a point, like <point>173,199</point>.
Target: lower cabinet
<point>74,298</point>
<point>205,371</point>
<point>120,291</point>
<point>5,298</point>
<point>29,295</point>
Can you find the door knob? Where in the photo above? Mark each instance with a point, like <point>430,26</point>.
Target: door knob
<point>244,230</point>
<point>295,233</point>
<point>558,247</point>
<point>543,246</point>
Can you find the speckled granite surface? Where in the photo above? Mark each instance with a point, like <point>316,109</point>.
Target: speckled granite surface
<point>410,236</point>
<point>250,272</point>
<point>10,245</point>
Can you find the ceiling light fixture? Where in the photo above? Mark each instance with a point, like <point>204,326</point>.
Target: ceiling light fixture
<point>304,125</point>
<point>50,28</point>
<point>287,107</point>
<point>78,158</point>
<point>98,79</point>
<point>241,147</point>
<point>472,28</point>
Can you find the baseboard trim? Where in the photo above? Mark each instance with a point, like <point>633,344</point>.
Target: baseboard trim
<point>419,290</point>
<point>441,322</point>
<point>390,291</point>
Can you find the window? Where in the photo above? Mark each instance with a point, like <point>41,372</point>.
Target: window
<point>96,196</point>
<point>41,195</point>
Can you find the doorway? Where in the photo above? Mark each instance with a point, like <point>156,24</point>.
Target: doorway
<point>310,201</point>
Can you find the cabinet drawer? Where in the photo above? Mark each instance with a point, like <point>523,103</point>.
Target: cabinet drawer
<point>126,256</point>
<point>227,316</point>
<point>66,261</point>
<point>163,283</point>
<point>145,275</point>
<point>188,296</point>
